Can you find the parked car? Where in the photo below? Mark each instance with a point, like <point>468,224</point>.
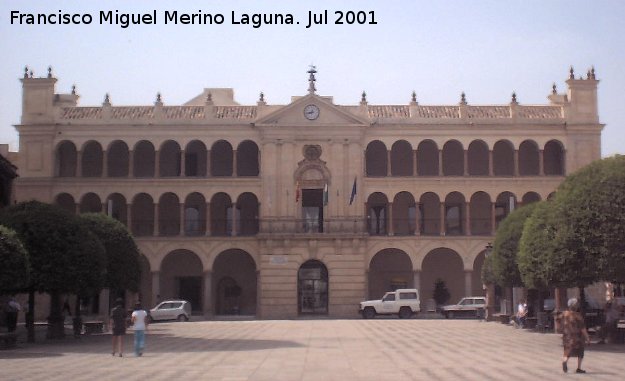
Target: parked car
<point>470,306</point>
<point>404,302</point>
<point>171,310</point>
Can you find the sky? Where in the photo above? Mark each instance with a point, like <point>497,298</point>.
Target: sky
<point>488,49</point>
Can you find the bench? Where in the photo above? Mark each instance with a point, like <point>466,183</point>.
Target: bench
<point>8,340</point>
<point>93,327</point>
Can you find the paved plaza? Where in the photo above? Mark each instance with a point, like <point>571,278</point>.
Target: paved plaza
<point>380,349</point>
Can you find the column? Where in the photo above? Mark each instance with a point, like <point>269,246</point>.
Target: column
<point>105,164</point>
<point>208,219</point>
<point>416,280</point>
<point>468,286</point>
<point>493,227</point>
<point>156,286</point>
<point>442,227</point>
<point>156,217</point>
<point>79,164</point>
<point>367,297</point>
<point>467,220</point>
<point>234,164</point>
<point>183,161</point>
<point>490,301</point>
<point>440,162</point>
<point>466,162</point>
<point>414,163</point>
<point>491,172</point>
<point>259,294</point>
<point>417,223</point>
<point>208,164</point>
<point>182,219</point>
<point>131,163</point>
<point>129,217</point>
<point>516,162</point>
<point>391,228</point>
<point>541,162</point>
<point>389,167</point>
<point>157,163</point>
<point>207,306</point>
<point>234,219</point>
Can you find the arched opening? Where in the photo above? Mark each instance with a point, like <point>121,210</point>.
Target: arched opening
<point>480,213</point>
<point>195,159</point>
<point>553,158</point>
<point>118,208</point>
<point>66,159</point>
<point>169,159</point>
<point>503,158</point>
<point>234,274</point>
<point>221,213</point>
<point>506,203</point>
<point>169,215</point>
<point>117,159</point>
<point>247,159</point>
<point>90,203</point>
<point>444,264</point>
<point>376,159</point>
<point>144,159</point>
<point>476,276</point>
<point>454,214</point>
<point>530,197</point>
<point>427,158</point>
<point>181,278</point>
<point>389,270</point>
<point>453,159</point>
<point>404,214</point>
<point>92,160</point>
<point>221,159</point>
<point>142,212</point>
<point>401,159</point>
<point>377,208</point>
<point>66,202</point>
<point>430,207</point>
<point>247,204</point>
<point>528,158</point>
<point>477,157</point>
<point>312,288</point>
<point>195,215</point>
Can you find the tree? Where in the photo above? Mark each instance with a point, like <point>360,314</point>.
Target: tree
<point>123,271</point>
<point>441,293</point>
<point>65,257</point>
<point>15,268</point>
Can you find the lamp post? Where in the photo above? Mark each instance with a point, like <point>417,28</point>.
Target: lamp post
<point>490,288</point>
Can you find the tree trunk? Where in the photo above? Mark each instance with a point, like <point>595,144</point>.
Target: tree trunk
<point>77,320</point>
<point>30,317</point>
<point>582,301</point>
<point>56,328</point>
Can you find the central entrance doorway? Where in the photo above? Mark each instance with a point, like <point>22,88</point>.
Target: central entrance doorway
<point>312,210</point>
<point>312,288</point>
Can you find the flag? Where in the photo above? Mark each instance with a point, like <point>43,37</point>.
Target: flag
<point>325,195</point>
<point>297,192</point>
<point>353,195</point>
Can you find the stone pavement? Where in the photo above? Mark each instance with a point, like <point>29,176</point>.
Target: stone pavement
<point>319,350</point>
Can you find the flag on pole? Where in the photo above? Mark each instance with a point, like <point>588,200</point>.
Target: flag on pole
<point>325,195</point>
<point>297,192</point>
<point>354,191</point>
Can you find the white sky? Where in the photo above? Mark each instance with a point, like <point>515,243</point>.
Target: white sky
<point>438,48</point>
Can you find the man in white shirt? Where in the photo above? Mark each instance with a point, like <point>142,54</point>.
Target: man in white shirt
<point>140,325</point>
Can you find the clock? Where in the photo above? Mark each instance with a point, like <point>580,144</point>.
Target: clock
<point>311,112</point>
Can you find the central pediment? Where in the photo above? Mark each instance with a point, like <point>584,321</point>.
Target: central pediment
<point>312,110</point>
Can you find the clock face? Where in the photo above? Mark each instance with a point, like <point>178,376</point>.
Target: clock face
<point>311,112</point>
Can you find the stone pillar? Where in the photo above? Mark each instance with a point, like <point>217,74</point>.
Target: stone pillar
<point>468,285</point>
<point>207,301</point>
<point>234,219</point>
<point>209,173</point>
<point>516,162</point>
<point>466,162</point>
<point>183,161</point>
<point>182,219</point>
<point>417,216</point>
<point>389,167</point>
<point>490,301</point>
<point>156,222</point>
<point>131,163</point>
<point>416,280</point>
<point>440,162</point>
<point>493,227</point>
<point>156,286</point>
<point>129,217</point>
<point>491,171</point>
<point>367,297</point>
<point>467,219</point>
<point>541,162</point>
<point>78,163</point>
<point>208,219</point>
<point>414,163</point>
<point>105,164</point>
<point>391,228</point>
<point>234,164</point>
<point>442,227</point>
<point>157,163</point>
<point>259,294</point>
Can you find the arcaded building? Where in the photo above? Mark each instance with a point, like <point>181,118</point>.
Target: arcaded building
<point>304,208</point>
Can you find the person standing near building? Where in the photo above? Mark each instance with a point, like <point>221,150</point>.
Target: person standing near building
<point>574,335</point>
<point>140,325</point>
<point>118,326</point>
<point>12,310</point>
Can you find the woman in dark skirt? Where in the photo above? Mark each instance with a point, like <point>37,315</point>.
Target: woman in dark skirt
<point>574,335</point>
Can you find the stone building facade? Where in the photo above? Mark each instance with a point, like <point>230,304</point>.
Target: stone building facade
<point>306,208</point>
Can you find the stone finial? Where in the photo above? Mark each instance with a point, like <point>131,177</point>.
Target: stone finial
<point>571,73</point>
<point>414,97</point>
<point>261,98</point>
<point>25,71</point>
<point>31,74</point>
<point>49,71</point>
<point>514,97</point>
<point>554,91</point>
<point>107,99</point>
<point>363,97</point>
<point>209,97</point>
<point>73,89</point>
<point>592,73</point>
<point>463,98</point>
<point>311,79</point>
<point>159,99</point>
<point>588,76</point>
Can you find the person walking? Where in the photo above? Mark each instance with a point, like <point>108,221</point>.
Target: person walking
<point>140,325</point>
<point>574,335</point>
<point>118,326</point>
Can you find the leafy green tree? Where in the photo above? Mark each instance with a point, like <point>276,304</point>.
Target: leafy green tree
<point>506,247</point>
<point>441,293</point>
<point>15,268</point>
<point>65,257</point>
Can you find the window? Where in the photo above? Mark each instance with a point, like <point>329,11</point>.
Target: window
<point>389,298</point>
<point>408,295</point>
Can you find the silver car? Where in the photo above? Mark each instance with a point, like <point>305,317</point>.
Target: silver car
<point>171,310</point>
<point>472,306</point>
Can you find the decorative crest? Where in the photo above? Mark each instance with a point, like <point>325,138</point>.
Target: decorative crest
<point>554,91</point>
<point>463,98</point>
<point>73,89</point>
<point>49,71</point>
<point>262,97</point>
<point>414,96</point>
<point>514,97</point>
<point>107,99</point>
<point>363,97</point>
<point>25,71</point>
<point>209,97</point>
<point>311,79</point>
<point>571,73</point>
<point>158,98</point>
<point>592,73</point>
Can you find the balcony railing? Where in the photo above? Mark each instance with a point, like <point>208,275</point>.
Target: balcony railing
<point>354,225</point>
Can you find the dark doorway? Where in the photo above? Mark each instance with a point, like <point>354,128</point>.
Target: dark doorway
<point>312,210</point>
<point>228,295</point>
<point>312,288</point>
<point>189,289</point>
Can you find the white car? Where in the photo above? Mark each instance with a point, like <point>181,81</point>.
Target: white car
<point>171,310</point>
<point>470,306</point>
<point>404,302</point>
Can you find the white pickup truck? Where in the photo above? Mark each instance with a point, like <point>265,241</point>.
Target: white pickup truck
<point>404,302</point>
